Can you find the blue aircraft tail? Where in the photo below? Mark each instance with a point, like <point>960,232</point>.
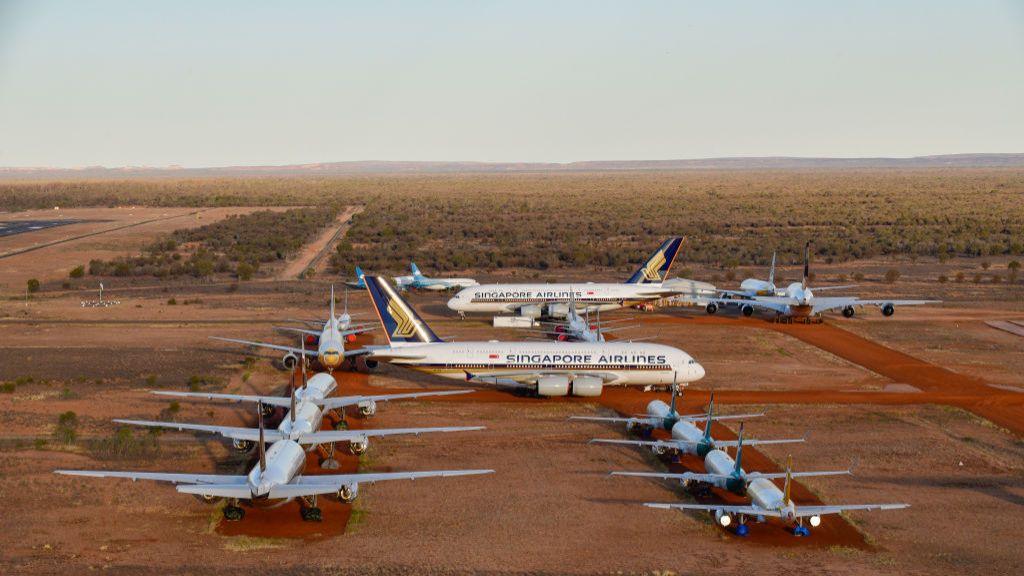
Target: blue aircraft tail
<point>401,323</point>
<point>415,269</point>
<point>655,269</point>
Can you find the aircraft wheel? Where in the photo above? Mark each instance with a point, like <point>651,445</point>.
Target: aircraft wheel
<point>233,513</point>
<point>312,514</point>
<point>742,530</point>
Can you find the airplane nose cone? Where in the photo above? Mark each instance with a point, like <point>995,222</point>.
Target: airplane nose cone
<point>698,372</point>
<point>453,303</point>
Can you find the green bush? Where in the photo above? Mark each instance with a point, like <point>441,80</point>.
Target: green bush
<point>67,428</point>
<point>33,285</point>
<point>77,272</point>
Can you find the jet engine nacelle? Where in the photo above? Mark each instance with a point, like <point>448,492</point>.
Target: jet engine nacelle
<point>358,446</point>
<point>290,361</point>
<point>587,386</point>
<point>242,445</point>
<point>888,310</point>
<point>724,519</point>
<point>747,310</point>
<point>553,386</point>
<point>348,493</point>
<point>364,364</point>
<point>848,312</point>
<point>531,311</point>
<point>815,521</point>
<point>558,310</point>
<point>207,499</point>
<point>368,408</point>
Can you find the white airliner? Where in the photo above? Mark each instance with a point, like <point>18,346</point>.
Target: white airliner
<point>766,500</point>
<point>278,475</point>
<point>330,351</point>
<point>420,282</point>
<point>304,419</point>
<point>799,301</point>
<point>551,300</point>
<point>548,368</point>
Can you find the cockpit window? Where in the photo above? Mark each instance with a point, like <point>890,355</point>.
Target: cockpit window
<point>692,361</point>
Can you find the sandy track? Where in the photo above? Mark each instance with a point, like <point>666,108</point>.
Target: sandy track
<point>312,254</point>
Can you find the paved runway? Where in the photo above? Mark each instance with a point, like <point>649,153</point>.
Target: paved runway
<point>11,228</point>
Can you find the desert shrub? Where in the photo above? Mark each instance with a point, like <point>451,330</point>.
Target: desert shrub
<point>123,444</point>
<point>33,285</point>
<point>77,272</point>
<point>959,276</point>
<point>892,275</point>
<point>67,428</point>
<point>8,387</point>
<point>943,279</point>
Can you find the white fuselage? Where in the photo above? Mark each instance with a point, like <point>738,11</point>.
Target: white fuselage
<point>424,283</point>
<point>763,493</point>
<point>577,328</point>
<point>331,347</point>
<point>498,298</point>
<point>285,461</point>
<point>685,431</point>
<point>755,287</point>
<point>308,416</point>
<point>629,363</point>
<point>803,297</point>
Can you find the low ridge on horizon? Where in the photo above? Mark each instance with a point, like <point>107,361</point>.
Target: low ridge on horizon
<point>355,167</point>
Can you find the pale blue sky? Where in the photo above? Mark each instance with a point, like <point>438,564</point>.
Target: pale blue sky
<point>222,83</point>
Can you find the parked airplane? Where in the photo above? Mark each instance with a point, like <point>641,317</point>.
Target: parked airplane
<point>420,282</point>
<point>688,439</point>
<point>660,415</point>
<point>725,473</point>
<point>303,422</point>
<point>766,500</point>
<point>330,350</point>
<point>359,282</point>
<point>574,328</point>
<point>551,300</point>
<point>548,368</point>
<point>799,301</point>
<point>315,391</point>
<point>278,475</point>
<point>751,287</point>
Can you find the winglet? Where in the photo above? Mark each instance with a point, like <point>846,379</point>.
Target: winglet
<point>469,375</point>
<point>771,271</point>
<point>675,394</point>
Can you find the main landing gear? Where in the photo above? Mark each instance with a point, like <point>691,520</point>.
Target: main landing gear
<point>233,512</point>
<point>310,511</point>
<point>329,463</point>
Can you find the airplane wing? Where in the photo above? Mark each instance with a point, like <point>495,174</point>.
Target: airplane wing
<point>283,402</point>
<point>342,401</point>
<point>299,330</point>
<point>773,303</point>
<point>802,511</point>
<point>782,475</point>
<point>648,419</point>
<point>755,441</point>
<point>825,304</point>
<point>330,483</point>
<point>233,432</point>
<point>327,436</point>
<point>291,349</point>
<point>358,329</point>
<point>520,378</point>
<point>204,479</point>
<point>666,475</point>
<point>234,490</point>
<point>748,510</point>
<point>671,444</point>
<point>826,288</point>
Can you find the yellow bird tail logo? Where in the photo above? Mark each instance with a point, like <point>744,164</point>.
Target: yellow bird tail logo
<point>652,271</point>
<point>405,328</point>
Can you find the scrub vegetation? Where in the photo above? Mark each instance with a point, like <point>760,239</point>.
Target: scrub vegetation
<point>238,244</point>
<point>546,221</point>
